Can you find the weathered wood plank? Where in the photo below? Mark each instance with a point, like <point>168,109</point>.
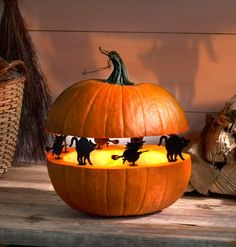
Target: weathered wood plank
<point>143,16</point>
<point>35,215</point>
<point>188,210</point>
<point>192,67</point>
<point>61,239</point>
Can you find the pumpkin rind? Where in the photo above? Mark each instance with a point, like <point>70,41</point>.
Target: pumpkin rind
<point>93,108</point>
<point>117,108</point>
<point>119,191</point>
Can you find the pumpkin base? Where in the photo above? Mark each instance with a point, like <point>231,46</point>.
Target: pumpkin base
<point>119,191</point>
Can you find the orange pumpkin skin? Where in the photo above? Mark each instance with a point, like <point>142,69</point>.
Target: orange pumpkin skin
<point>117,108</point>
<point>94,108</point>
<point>119,191</point>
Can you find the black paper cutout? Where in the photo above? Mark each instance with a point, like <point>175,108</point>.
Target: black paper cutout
<point>101,142</point>
<point>174,146</point>
<point>57,146</point>
<point>131,153</point>
<point>83,148</point>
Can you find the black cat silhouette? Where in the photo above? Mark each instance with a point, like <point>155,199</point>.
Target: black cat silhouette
<point>174,146</point>
<point>83,148</point>
<point>57,145</point>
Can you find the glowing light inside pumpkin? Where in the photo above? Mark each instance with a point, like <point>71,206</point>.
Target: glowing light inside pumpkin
<point>102,158</point>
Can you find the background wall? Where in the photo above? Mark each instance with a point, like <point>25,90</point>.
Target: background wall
<point>187,46</point>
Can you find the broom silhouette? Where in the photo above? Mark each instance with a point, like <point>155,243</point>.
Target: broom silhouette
<point>116,156</point>
<point>130,155</point>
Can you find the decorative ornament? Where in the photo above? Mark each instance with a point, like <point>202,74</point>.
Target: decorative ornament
<point>101,142</point>
<point>83,148</point>
<point>99,180</point>
<point>174,146</point>
<point>131,153</point>
<point>58,146</point>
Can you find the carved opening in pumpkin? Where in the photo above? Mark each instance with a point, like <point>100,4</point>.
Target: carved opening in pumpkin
<point>105,183</point>
<point>102,158</point>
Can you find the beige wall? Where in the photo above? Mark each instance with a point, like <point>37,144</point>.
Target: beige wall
<point>187,46</point>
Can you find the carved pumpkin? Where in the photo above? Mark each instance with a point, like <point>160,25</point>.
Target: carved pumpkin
<point>120,190</point>
<point>116,108</point>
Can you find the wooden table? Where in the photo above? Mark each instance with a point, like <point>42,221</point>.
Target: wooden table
<point>32,214</point>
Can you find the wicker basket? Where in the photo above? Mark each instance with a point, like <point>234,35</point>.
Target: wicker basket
<point>12,78</point>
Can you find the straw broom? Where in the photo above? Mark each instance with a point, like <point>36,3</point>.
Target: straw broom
<point>16,43</point>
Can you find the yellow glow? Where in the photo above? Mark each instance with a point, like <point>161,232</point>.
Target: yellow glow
<point>102,158</point>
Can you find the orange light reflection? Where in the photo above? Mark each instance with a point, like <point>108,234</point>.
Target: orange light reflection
<point>102,158</point>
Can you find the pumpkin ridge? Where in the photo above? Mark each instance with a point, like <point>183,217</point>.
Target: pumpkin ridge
<point>163,188</point>
<point>123,208</point>
<point>74,98</point>
<point>157,111</point>
<point>170,105</point>
<point>83,181</point>
<point>71,198</point>
<point>90,105</point>
<point>178,177</point>
<point>122,112</point>
<point>140,102</point>
<point>106,111</point>
<point>160,118</point>
<point>106,192</point>
<point>149,89</point>
<point>175,188</point>
<point>53,109</point>
<point>64,195</point>
<point>176,114</point>
<point>175,111</point>
<point>126,98</point>
<point>140,208</point>
<point>170,116</point>
<point>114,119</point>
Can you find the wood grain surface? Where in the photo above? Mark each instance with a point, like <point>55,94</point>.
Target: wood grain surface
<point>32,214</point>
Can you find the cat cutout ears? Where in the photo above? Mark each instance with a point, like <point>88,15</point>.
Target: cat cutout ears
<point>174,146</point>
<point>83,148</point>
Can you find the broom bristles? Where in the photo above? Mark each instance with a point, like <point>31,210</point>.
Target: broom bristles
<point>16,43</point>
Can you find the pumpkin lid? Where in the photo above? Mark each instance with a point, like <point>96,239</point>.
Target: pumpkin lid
<point>116,107</point>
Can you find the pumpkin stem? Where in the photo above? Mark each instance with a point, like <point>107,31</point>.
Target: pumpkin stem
<point>119,74</point>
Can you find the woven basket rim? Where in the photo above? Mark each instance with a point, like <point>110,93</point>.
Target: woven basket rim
<point>13,65</point>
<point>20,79</point>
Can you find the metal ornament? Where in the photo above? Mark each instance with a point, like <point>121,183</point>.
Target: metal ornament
<point>174,145</point>
<point>131,153</point>
<point>58,145</point>
<point>83,148</point>
<point>101,142</point>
